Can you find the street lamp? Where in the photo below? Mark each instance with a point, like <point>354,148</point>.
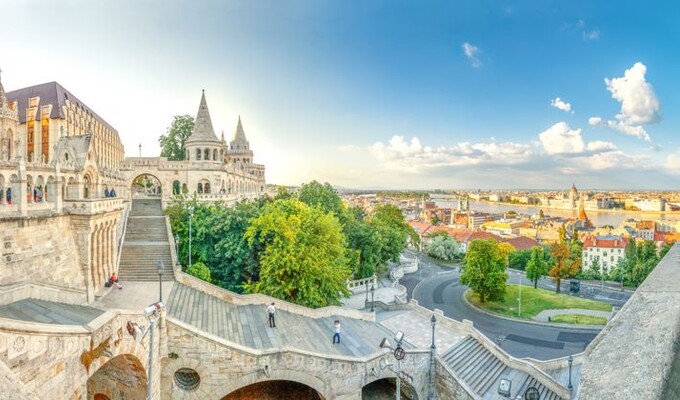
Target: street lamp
<point>140,150</point>
<point>433,320</point>
<point>191,216</point>
<point>153,313</point>
<point>623,275</point>
<point>571,361</point>
<point>399,354</point>
<point>372,298</point>
<point>177,248</point>
<point>366,286</point>
<point>519,310</point>
<point>160,280</point>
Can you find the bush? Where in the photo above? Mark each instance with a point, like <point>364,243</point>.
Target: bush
<point>200,271</point>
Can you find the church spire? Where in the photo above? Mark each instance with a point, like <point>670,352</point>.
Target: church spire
<point>203,128</point>
<point>239,140</point>
<point>3,95</point>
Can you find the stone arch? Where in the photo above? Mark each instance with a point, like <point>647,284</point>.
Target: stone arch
<point>51,189</point>
<point>274,375</point>
<point>214,154</point>
<point>176,187</point>
<point>206,154</point>
<point>198,154</point>
<point>39,189</point>
<point>87,186</point>
<point>145,183</point>
<point>382,382</point>
<point>121,377</point>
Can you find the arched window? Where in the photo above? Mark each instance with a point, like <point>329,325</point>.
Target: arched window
<point>207,155</point>
<point>200,188</point>
<point>198,154</point>
<point>176,187</point>
<point>206,187</point>
<point>215,155</point>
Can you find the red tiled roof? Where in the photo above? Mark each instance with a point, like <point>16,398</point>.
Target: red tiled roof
<point>610,242</point>
<point>522,242</point>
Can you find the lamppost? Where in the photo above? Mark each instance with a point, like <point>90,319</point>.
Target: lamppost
<point>571,361</point>
<point>433,320</point>
<point>399,355</point>
<point>366,286</point>
<point>152,312</point>
<point>177,248</point>
<point>519,309</point>
<point>372,298</point>
<point>160,280</point>
<point>191,216</point>
<point>623,275</point>
<point>140,150</point>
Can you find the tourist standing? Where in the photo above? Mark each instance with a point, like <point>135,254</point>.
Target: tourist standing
<point>270,311</point>
<point>336,335</point>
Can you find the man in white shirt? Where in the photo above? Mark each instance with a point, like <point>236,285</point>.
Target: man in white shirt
<point>271,310</point>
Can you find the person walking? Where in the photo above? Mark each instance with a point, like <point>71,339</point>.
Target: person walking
<point>270,311</point>
<point>336,335</point>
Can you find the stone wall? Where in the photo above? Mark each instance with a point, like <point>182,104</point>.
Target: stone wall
<point>39,251</point>
<point>224,368</point>
<point>448,387</point>
<point>636,355</point>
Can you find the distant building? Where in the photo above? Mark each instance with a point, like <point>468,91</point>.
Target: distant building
<point>609,249</point>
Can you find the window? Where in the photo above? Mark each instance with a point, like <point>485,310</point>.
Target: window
<point>187,379</point>
<point>198,154</point>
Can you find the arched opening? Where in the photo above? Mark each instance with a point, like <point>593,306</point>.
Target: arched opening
<point>272,390</point>
<point>122,377</point>
<point>51,189</point>
<point>215,155</point>
<point>29,188</point>
<point>176,187</point>
<point>199,189</point>
<point>146,185</point>
<point>39,190</point>
<point>206,154</point>
<point>2,189</point>
<point>386,388</point>
<point>86,186</point>
<point>198,154</point>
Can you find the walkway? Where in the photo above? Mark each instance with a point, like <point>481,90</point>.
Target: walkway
<point>545,315</point>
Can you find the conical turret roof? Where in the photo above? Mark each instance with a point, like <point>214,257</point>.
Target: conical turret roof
<point>203,129</point>
<point>239,134</point>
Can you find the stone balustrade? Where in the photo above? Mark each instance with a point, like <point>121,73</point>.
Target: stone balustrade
<point>92,206</point>
<point>362,285</point>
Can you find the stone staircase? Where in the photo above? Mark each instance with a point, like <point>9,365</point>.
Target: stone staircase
<point>145,243</point>
<point>481,370</point>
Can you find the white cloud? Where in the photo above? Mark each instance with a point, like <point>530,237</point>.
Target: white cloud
<point>592,35</point>
<point>639,104</point>
<point>402,155</point>
<point>632,130</point>
<point>472,54</point>
<point>594,121</point>
<point>560,104</point>
<point>614,160</point>
<point>561,139</point>
<point>673,163</point>
<point>599,146</point>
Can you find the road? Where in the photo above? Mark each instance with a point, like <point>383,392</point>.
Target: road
<point>435,286</point>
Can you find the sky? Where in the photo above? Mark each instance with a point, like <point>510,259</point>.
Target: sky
<point>483,94</point>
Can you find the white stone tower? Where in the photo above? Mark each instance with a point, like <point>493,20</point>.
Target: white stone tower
<point>9,124</point>
<point>239,148</point>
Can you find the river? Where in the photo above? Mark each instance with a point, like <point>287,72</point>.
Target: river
<point>613,218</point>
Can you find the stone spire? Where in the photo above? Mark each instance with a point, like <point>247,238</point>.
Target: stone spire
<point>239,140</point>
<point>3,95</point>
<point>203,129</point>
<point>582,210</point>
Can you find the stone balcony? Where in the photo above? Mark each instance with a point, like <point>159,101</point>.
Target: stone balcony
<point>92,206</point>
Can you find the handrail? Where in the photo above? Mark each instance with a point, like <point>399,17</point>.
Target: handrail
<point>122,237</point>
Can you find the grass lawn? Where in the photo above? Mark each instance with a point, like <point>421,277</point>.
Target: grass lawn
<point>534,301</point>
<point>579,319</point>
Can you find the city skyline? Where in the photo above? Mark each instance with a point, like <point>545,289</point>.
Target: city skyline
<point>379,94</point>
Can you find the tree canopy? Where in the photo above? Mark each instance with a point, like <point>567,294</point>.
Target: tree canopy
<point>564,266</point>
<point>443,248</point>
<point>485,270</point>
<point>537,267</point>
<point>303,257</point>
<point>172,143</point>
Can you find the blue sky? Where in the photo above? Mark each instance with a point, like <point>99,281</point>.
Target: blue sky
<point>380,94</point>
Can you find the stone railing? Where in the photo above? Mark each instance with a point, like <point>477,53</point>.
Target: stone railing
<point>636,355</point>
<point>451,386</point>
<point>23,290</point>
<point>362,285</point>
<point>466,327</point>
<point>9,209</point>
<point>261,299</point>
<point>92,206</point>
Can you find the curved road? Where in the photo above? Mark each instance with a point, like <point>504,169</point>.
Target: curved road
<point>437,287</point>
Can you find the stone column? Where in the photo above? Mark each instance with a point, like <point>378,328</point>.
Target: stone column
<point>20,196</point>
<point>58,200</point>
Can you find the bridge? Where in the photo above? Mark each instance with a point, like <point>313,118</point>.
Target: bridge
<point>211,343</point>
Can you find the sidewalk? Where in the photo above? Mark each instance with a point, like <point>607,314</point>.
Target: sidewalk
<point>135,295</point>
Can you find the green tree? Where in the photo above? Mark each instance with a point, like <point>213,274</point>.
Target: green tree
<point>323,196</point>
<point>391,229</point>
<point>665,248</point>
<point>505,250</point>
<point>519,259</point>
<point>536,266</point>
<point>303,257</point>
<point>443,248</point>
<point>485,270</point>
<point>172,144</point>
<point>564,266</point>
<point>631,255</point>
<point>200,271</point>
<point>562,233</point>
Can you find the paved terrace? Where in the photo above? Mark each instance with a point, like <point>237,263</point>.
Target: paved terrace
<point>47,312</point>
